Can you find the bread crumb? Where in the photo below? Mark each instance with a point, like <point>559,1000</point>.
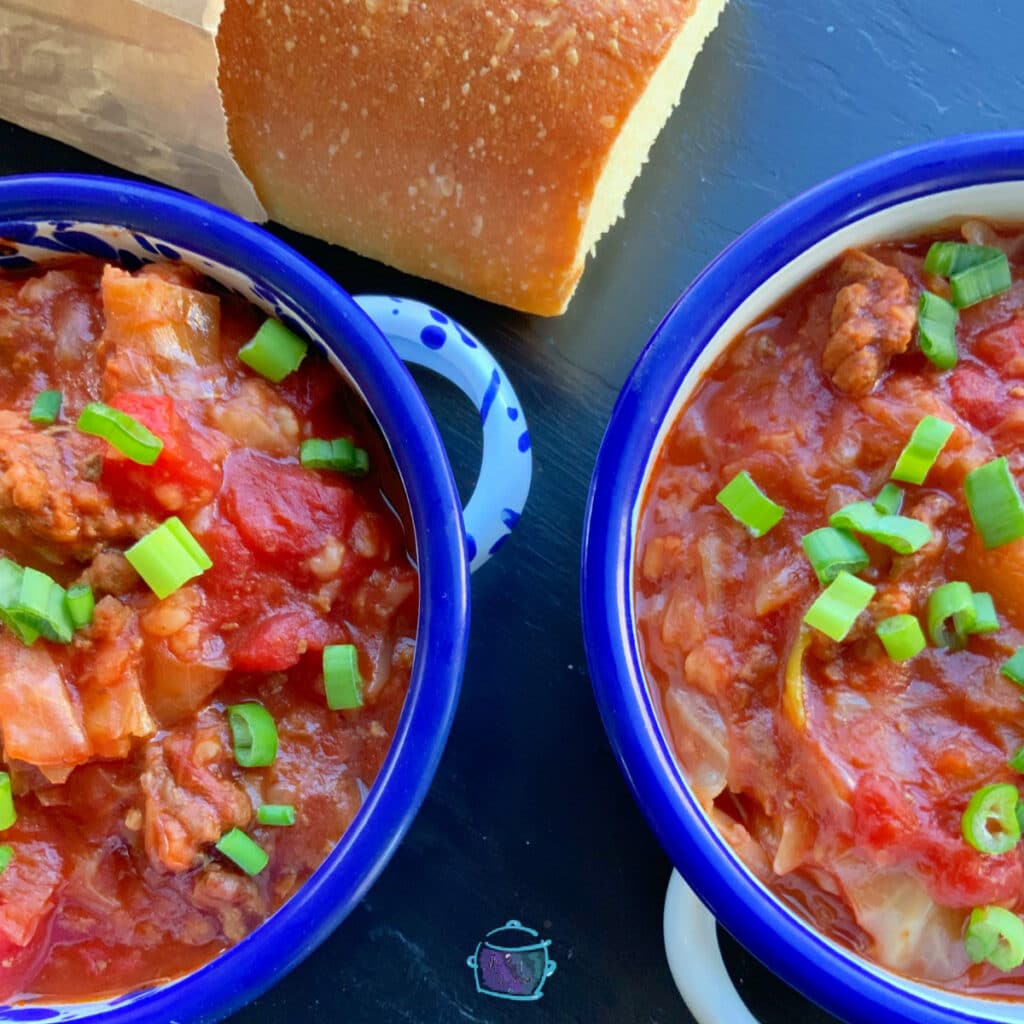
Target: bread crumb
<point>477,227</point>
<point>289,45</point>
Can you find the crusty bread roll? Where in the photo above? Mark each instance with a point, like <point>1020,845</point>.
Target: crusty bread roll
<point>486,144</point>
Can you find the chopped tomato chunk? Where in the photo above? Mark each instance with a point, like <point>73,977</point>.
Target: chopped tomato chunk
<point>977,396</point>
<point>282,512</point>
<point>185,473</point>
<point>279,641</point>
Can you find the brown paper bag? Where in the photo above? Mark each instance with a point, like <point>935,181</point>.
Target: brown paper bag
<point>133,82</point>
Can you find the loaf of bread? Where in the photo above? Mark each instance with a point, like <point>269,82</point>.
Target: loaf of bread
<point>485,144</point>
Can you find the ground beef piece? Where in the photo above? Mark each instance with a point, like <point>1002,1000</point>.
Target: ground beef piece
<point>235,899</point>
<point>47,501</point>
<point>191,799</point>
<point>873,319</point>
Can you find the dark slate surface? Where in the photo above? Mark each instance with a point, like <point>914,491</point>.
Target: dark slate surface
<point>529,816</point>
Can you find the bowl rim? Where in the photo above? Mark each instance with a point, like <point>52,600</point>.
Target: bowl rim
<point>250,967</point>
<point>835,979</point>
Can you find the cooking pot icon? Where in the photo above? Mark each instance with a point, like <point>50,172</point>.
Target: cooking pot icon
<point>512,963</point>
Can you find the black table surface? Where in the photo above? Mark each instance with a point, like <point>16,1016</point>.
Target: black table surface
<point>529,816</point>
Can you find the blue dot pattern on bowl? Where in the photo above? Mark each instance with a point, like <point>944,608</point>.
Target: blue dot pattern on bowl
<point>422,335</point>
<point>28,244</point>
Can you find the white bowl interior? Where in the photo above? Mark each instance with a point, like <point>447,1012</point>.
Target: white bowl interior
<point>998,202</point>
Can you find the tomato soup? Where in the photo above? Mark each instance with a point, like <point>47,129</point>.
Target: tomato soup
<point>209,612</point>
<point>829,590</point>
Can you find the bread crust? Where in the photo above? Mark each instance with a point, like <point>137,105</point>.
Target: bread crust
<point>460,140</point>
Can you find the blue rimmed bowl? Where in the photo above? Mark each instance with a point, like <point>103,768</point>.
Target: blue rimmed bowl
<point>48,217</point>
<point>910,192</point>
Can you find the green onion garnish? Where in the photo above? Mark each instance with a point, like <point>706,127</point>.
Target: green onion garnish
<point>10,588</point>
<point>6,853</point>
<point>951,614</point>
<point>121,431</point>
<point>901,533</point>
<point>990,823</point>
<point>889,500</point>
<point>81,602</point>
<point>8,815</point>
<point>832,551</point>
<point>46,408</point>
<point>837,607</point>
<point>1013,667</point>
<point>901,636</point>
<point>274,351</point>
<point>994,503</point>
<point>243,851</point>
<point>342,681</point>
<point>985,618</point>
<point>1017,761</point>
<point>276,814</point>
<point>748,504</point>
<point>995,934</point>
<point>936,330</point>
<point>921,451</point>
<point>41,606</point>
<point>340,455</point>
<point>975,272</point>
<point>948,258</point>
<point>982,281</point>
<point>253,734</point>
<point>168,557</point>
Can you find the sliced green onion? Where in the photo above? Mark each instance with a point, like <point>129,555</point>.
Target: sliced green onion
<point>46,408</point>
<point>748,504</point>
<point>8,815</point>
<point>951,614</point>
<point>6,853</point>
<point>837,607</point>
<point>936,330</point>
<point>975,272</point>
<point>982,281</point>
<point>340,455</point>
<point>168,557</point>
<point>1017,761</point>
<point>990,823</point>
<point>921,451</point>
<point>243,851</point>
<point>948,258</point>
<point>121,431</point>
<point>10,588</point>
<point>985,618</point>
<point>1013,668</point>
<point>901,636</point>
<point>342,681</point>
<point>81,602</point>
<point>276,814</point>
<point>901,533</point>
<point>41,606</point>
<point>995,503</point>
<point>253,734</point>
<point>274,351</point>
<point>831,551</point>
<point>995,934</point>
<point>889,500</point>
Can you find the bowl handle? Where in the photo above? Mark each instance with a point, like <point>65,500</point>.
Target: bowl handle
<point>422,335</point>
<point>691,945</point>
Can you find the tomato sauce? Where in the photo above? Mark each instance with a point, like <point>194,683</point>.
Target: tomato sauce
<point>117,744</point>
<point>849,808</point>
